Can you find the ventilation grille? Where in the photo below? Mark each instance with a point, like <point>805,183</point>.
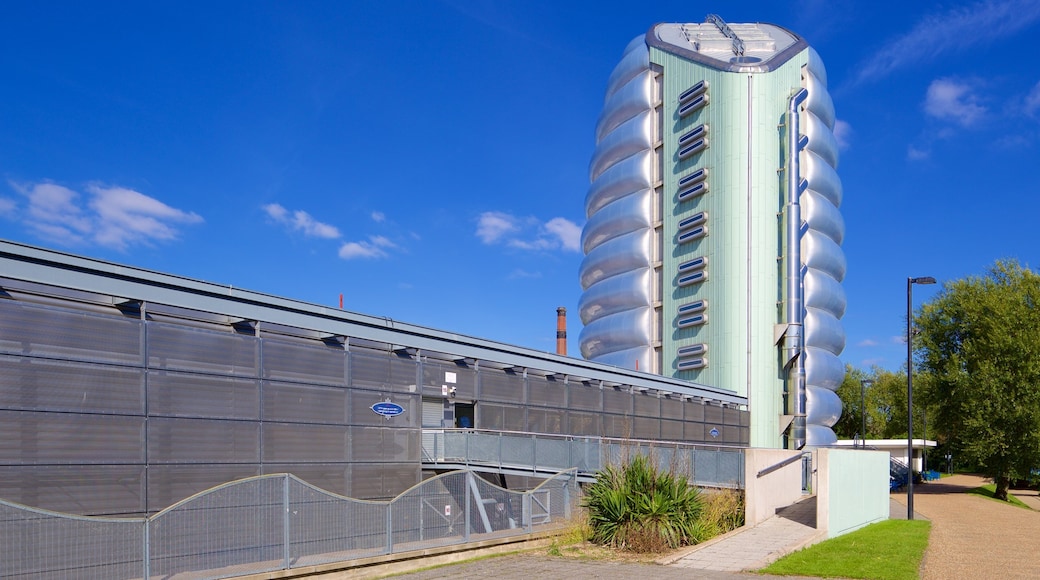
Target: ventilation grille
<point>694,278</point>
<point>693,364</point>
<point>694,234</point>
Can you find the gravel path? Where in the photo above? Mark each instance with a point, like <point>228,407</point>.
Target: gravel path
<point>975,537</point>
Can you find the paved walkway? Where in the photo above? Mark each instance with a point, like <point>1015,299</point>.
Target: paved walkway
<point>971,537</point>
<point>976,537</point>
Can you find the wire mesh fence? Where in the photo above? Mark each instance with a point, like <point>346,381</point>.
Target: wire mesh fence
<point>273,522</point>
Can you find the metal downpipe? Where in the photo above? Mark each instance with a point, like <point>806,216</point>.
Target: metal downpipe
<point>794,338</point>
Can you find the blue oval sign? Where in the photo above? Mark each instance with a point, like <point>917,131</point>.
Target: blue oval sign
<point>714,432</point>
<point>387,409</point>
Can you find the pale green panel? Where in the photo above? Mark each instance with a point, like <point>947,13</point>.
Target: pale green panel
<point>856,489</point>
<point>745,235</point>
<point>726,206</point>
<point>771,92</point>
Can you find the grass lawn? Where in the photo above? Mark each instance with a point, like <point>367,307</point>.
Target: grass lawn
<point>990,492</point>
<point>891,549</point>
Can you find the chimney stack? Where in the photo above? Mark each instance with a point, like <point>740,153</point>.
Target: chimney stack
<point>561,331</point>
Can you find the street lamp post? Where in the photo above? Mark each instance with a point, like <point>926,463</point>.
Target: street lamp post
<point>863,386</point>
<point>910,390</point>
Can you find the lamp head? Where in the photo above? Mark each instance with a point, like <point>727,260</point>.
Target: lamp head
<point>922,280</point>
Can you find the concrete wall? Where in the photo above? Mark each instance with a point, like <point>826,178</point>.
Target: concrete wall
<point>764,493</point>
<point>851,489</point>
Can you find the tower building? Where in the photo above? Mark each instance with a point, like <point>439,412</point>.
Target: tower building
<point>713,235</point>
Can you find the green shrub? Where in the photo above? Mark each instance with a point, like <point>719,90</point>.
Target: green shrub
<point>722,511</point>
<point>639,508</point>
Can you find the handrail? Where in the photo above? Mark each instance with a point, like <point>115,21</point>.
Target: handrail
<point>780,465</point>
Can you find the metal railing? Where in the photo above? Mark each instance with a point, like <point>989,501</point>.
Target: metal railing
<point>273,522</point>
<point>539,453</point>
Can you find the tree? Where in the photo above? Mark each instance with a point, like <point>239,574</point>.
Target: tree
<point>979,345</point>
<point>884,402</point>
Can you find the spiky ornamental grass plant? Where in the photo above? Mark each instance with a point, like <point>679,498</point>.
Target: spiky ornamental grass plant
<point>639,508</point>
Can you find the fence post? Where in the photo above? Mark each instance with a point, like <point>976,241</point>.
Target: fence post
<point>567,495</point>
<point>390,527</point>
<point>147,547</point>
<point>465,508</point>
<point>285,520</point>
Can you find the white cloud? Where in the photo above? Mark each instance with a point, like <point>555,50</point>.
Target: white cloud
<point>111,216</point>
<point>301,221</point>
<point>374,247</point>
<point>492,225</point>
<point>568,232</point>
<point>378,217</point>
<point>127,216</point>
<point>522,274</point>
<point>842,133</point>
<point>7,206</point>
<point>530,233</point>
<point>952,100</point>
<point>1032,103</point>
<point>898,339</point>
<point>867,342</point>
<point>955,30</point>
<point>916,153</point>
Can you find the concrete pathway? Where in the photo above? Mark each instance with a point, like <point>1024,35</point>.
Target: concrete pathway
<point>793,528</point>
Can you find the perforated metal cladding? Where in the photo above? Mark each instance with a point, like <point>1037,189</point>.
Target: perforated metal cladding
<point>647,405</point>
<point>305,403</point>
<point>69,438</point>
<point>193,349</point>
<point>586,398</point>
<point>502,417</point>
<point>202,441</point>
<point>671,430</point>
<point>617,400</point>
<point>713,414</point>
<point>646,428</point>
<point>315,363</point>
<point>730,417</point>
<point>361,409</point>
<point>382,372</point>
<point>169,484</point>
<point>69,489</point>
<point>618,426</point>
<point>501,386</point>
<point>45,331</point>
<point>671,408</point>
<point>546,392</point>
<point>583,423</point>
<point>694,411</point>
<point>177,394</point>
<point>371,444</point>
<point>435,376</point>
<point>49,385</point>
<point>693,431</point>
<point>546,420</point>
<point>303,443</point>
<point>381,480</point>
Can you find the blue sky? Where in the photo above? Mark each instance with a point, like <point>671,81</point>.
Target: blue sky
<point>428,160</point>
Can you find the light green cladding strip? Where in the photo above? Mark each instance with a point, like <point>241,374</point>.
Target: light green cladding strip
<point>744,284</point>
